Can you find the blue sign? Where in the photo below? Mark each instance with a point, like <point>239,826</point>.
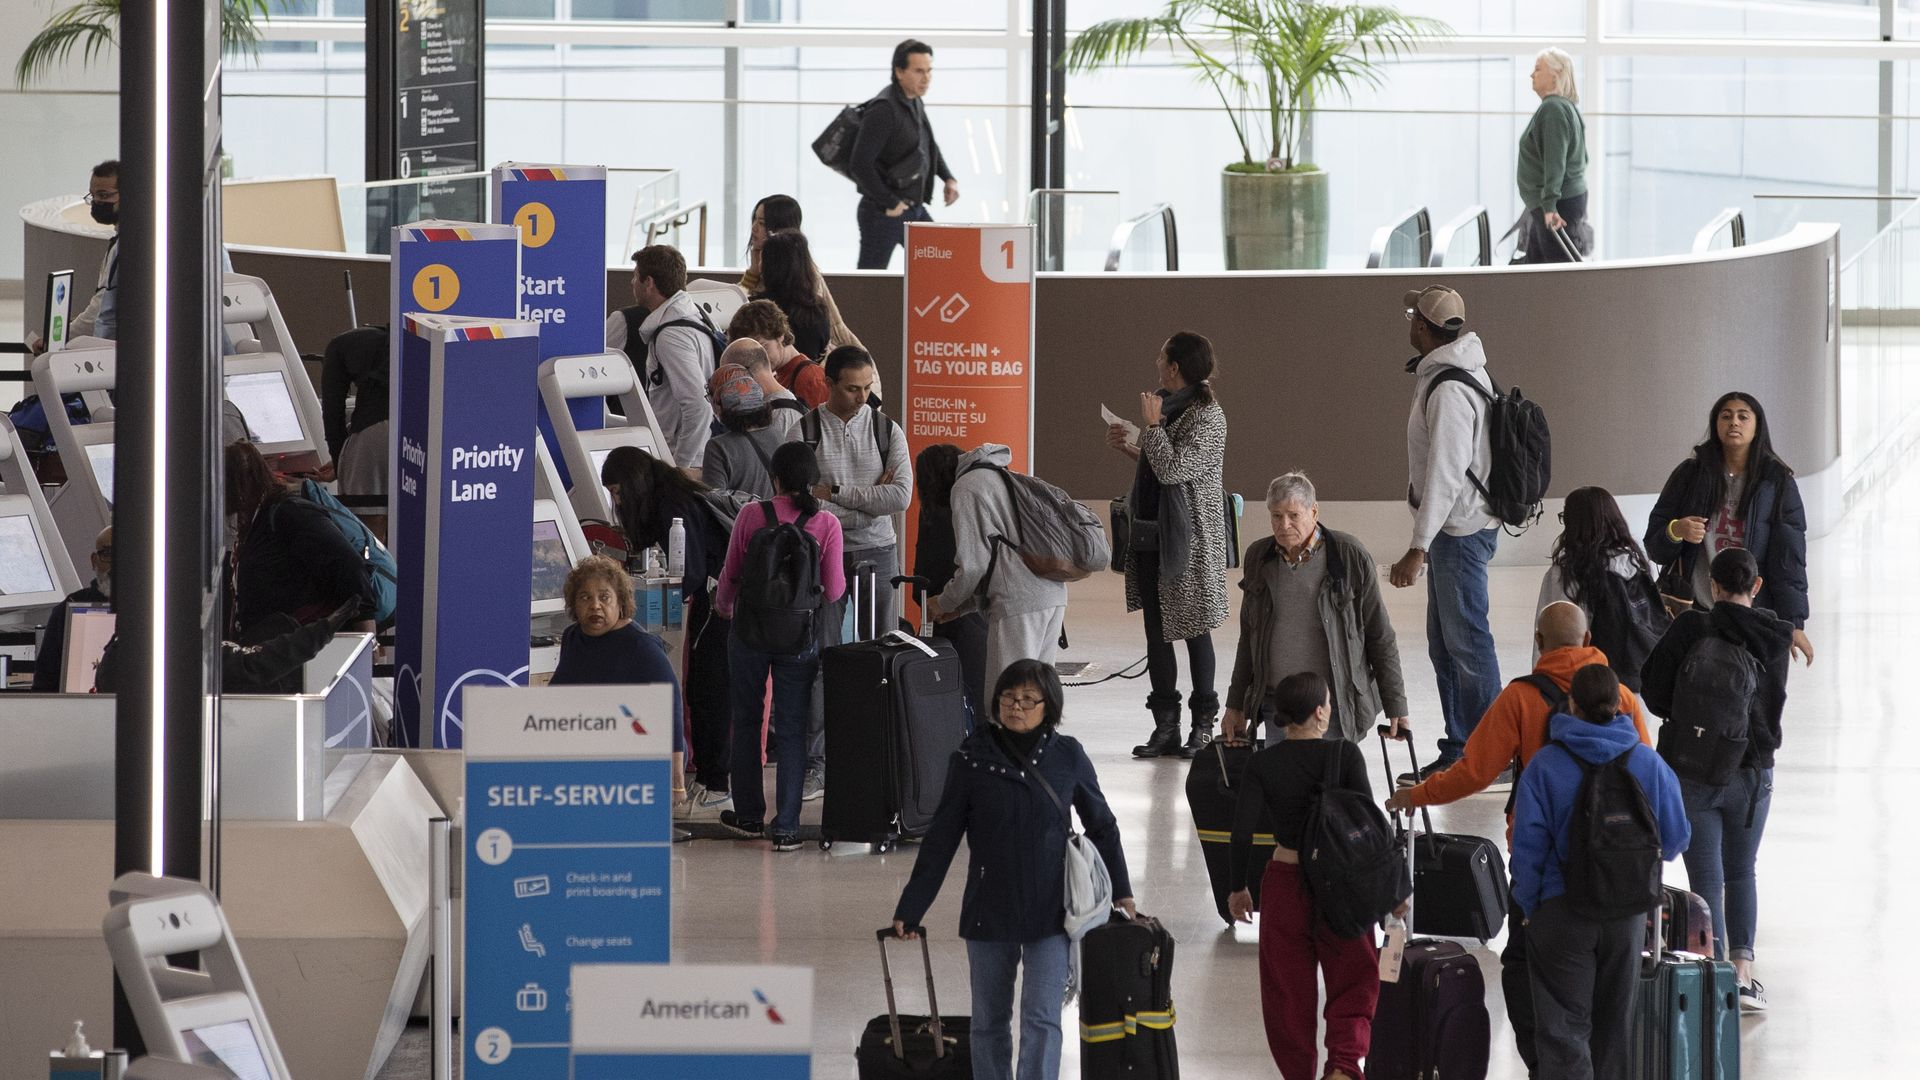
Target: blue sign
<point>569,825</point>
<point>463,505</point>
<point>737,1021</point>
<point>561,214</point>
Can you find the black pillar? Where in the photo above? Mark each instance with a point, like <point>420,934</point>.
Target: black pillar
<point>1047,131</point>
<point>166,517</point>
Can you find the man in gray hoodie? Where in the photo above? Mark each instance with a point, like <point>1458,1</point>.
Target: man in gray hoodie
<point>1454,530</point>
<point>1024,611</point>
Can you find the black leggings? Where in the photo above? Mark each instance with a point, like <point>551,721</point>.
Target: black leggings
<point>1163,669</point>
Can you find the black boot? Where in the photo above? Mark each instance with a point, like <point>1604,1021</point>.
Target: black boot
<point>1165,740</point>
<point>1201,735</point>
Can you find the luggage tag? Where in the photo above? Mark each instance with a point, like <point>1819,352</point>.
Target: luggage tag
<point>1393,952</point>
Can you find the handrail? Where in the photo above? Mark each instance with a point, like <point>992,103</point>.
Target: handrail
<point>1033,197</point>
<point>659,222</point>
<point>1729,219</point>
<point>1443,240</point>
<point>1383,236</point>
<point>1123,235</point>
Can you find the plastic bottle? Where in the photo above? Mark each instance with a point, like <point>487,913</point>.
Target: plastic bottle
<point>676,548</point>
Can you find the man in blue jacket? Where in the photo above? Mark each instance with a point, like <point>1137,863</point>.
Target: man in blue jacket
<point>1585,970</point>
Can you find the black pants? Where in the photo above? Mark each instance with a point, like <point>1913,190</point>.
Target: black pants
<point>968,633</point>
<point>1516,985</point>
<point>1586,973</point>
<point>880,234</point>
<point>1542,247</point>
<point>1163,670</point>
<point>709,702</point>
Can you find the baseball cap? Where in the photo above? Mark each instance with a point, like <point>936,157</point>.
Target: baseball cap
<point>1438,305</point>
<point>721,376</point>
<point>740,394</point>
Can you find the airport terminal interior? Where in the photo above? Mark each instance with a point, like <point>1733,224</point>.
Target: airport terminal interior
<point>311,313</point>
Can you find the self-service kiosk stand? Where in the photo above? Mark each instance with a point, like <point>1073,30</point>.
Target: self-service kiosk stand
<point>84,504</point>
<point>600,375</point>
<point>264,378</point>
<point>209,1018</point>
<point>36,572</point>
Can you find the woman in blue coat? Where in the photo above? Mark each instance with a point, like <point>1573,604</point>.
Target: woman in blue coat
<point>1734,492</point>
<point>1014,912</point>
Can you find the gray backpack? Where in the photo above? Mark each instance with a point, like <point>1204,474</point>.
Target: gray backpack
<point>1060,540</point>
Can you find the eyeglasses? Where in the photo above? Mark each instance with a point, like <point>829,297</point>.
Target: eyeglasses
<point>90,198</point>
<point>104,552</point>
<point>1024,704</point>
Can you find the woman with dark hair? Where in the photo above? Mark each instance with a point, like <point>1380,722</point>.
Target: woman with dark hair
<point>1014,913</point>
<point>778,214</point>
<point>289,558</point>
<point>786,270</point>
<point>1597,564</point>
<point>1281,783</point>
<point>934,558</point>
<point>1176,564</point>
<point>1734,492</point>
<point>795,472</point>
<point>647,494</point>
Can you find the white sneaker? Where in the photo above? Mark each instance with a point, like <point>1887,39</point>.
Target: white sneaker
<point>702,804</point>
<point>813,786</point>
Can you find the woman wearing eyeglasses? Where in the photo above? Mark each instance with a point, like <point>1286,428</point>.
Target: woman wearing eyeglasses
<point>1014,911</point>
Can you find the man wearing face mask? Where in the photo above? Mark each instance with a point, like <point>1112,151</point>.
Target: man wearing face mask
<point>101,317</point>
<point>47,660</point>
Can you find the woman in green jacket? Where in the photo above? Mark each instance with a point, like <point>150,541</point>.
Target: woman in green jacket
<point>1552,168</point>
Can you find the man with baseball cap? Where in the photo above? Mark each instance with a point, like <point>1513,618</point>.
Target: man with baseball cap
<point>1454,530</point>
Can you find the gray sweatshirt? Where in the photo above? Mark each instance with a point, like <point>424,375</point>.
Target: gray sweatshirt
<point>1445,437</point>
<point>982,510</point>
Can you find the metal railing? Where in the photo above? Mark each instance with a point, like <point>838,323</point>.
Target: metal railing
<point>1728,221</point>
<point>672,220</point>
<point>1404,244</point>
<point>1058,215</point>
<point>1474,217</point>
<point>1169,235</point>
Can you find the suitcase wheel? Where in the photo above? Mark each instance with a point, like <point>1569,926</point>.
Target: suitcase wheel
<point>826,845</point>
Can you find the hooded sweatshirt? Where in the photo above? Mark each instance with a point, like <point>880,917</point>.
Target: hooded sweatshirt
<point>983,510</point>
<point>679,362</point>
<point>1766,635</point>
<point>1516,726</point>
<point>1543,808</point>
<point>1445,437</point>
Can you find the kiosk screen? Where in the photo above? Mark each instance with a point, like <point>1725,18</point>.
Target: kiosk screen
<point>229,1049</point>
<point>262,397</point>
<point>23,565</point>
<point>550,562</point>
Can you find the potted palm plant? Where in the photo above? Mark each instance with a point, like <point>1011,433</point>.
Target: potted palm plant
<point>94,25</point>
<point>1269,62</point>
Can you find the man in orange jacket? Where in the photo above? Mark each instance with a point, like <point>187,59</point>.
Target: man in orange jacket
<point>1515,727</point>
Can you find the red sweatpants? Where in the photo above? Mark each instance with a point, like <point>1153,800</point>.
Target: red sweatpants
<point>1293,941</point>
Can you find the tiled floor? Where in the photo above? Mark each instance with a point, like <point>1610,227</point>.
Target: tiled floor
<point>1835,871</point>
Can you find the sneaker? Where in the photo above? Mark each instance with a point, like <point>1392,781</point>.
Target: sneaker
<point>814,786</point>
<point>1502,783</point>
<point>702,803</point>
<point>746,830</point>
<point>681,836</point>
<point>1408,779</point>
<point>1753,996</point>
<point>786,841</point>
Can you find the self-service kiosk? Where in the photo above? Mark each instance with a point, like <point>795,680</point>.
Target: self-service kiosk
<point>266,381</point>
<point>209,1018</point>
<point>558,546</point>
<point>84,504</point>
<point>602,375</point>
<point>36,572</point>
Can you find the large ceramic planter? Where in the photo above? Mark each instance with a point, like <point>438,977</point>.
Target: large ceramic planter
<point>1274,221</point>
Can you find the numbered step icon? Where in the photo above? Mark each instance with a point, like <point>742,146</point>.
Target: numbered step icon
<point>493,846</point>
<point>492,1046</point>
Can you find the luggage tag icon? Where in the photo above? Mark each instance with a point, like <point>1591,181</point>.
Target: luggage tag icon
<point>530,998</point>
<point>1393,952</point>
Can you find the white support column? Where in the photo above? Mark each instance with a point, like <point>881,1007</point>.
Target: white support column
<point>1593,64</point>
<point>1013,134</point>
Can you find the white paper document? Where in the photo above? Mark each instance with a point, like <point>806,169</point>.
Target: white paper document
<point>1133,430</point>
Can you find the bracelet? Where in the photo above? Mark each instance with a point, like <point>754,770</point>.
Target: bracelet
<point>1671,535</point>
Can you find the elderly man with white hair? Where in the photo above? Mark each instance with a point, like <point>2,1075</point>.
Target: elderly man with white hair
<point>1313,604</point>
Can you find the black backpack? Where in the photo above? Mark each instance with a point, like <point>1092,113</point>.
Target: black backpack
<point>834,146</point>
<point>636,346</point>
<point>1628,620</point>
<point>1356,868</point>
<point>1522,450</point>
<point>1705,738</point>
<point>780,587</point>
<point>1612,865</point>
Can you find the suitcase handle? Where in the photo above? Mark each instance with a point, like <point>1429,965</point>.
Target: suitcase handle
<point>1414,760</point>
<point>909,582</point>
<point>884,935</point>
<point>871,574</point>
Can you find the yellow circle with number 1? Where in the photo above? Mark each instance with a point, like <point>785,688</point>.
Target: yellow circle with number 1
<point>535,221</point>
<point>436,287</point>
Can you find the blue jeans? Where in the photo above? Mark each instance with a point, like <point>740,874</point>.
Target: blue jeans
<point>880,234</point>
<point>793,676</point>
<point>1721,856</point>
<point>993,965</point>
<point>1459,641</point>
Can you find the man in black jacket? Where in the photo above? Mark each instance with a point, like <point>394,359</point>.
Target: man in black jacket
<point>895,158</point>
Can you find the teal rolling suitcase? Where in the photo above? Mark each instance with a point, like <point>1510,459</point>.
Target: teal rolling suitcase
<point>1686,1023</point>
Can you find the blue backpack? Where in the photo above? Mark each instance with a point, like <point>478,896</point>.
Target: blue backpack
<point>380,565</point>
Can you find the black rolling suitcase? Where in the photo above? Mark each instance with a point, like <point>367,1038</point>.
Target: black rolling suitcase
<point>1432,1021</point>
<point>913,1047</point>
<point>1459,882</point>
<point>1213,790</point>
<point>1126,1001</point>
<point>896,710</point>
